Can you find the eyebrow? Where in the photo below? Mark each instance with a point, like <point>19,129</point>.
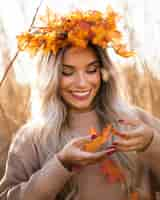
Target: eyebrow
<point>89,64</point>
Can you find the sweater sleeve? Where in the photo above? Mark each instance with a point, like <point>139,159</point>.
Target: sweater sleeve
<point>23,179</point>
<point>151,155</point>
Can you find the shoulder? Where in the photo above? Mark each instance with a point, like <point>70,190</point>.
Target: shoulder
<point>23,158</point>
<point>147,117</point>
<point>24,140</point>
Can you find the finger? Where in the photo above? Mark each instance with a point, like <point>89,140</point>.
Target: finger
<point>93,158</point>
<point>102,154</point>
<point>128,143</point>
<point>132,122</point>
<point>131,148</point>
<point>87,156</point>
<point>132,133</point>
<point>108,152</point>
<point>118,133</point>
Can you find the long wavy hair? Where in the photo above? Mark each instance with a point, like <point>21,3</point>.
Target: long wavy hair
<point>52,116</point>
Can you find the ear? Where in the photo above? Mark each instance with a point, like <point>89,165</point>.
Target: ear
<point>105,74</point>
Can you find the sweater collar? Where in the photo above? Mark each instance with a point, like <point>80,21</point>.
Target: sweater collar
<point>79,119</point>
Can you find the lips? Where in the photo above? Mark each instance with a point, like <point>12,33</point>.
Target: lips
<point>81,95</point>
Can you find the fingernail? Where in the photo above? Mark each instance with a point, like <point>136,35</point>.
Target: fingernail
<point>121,120</point>
<point>111,152</point>
<point>94,137</point>
<point>121,134</point>
<point>115,143</point>
<point>111,146</point>
<point>110,149</point>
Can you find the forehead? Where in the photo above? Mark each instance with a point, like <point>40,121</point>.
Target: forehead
<point>77,56</point>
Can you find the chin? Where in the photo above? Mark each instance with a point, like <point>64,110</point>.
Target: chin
<point>79,107</point>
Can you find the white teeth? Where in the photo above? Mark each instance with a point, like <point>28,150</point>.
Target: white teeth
<point>80,93</point>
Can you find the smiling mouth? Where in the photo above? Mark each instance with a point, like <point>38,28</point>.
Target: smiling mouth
<point>81,95</point>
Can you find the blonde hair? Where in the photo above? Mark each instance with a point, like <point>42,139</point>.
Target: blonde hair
<point>52,114</point>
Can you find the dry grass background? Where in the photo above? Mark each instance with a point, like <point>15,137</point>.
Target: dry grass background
<point>13,113</point>
<point>13,105</point>
<point>142,89</point>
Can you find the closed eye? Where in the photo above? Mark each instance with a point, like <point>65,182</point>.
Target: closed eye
<point>93,69</point>
<point>67,71</point>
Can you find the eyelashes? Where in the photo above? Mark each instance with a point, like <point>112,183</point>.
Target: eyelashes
<point>92,71</point>
<point>67,73</point>
<point>70,73</point>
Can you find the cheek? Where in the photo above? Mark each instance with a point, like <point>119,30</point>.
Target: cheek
<point>95,80</point>
<point>66,82</point>
<point>65,85</point>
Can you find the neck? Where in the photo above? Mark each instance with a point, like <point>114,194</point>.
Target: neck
<point>79,111</point>
<point>84,110</point>
<point>87,118</point>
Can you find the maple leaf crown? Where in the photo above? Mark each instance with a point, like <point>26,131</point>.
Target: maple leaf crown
<point>78,28</point>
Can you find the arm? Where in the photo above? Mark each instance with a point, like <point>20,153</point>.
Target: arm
<point>24,180</point>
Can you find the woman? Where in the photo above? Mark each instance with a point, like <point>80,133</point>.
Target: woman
<point>76,90</point>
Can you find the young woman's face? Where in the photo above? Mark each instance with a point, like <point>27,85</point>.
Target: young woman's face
<point>80,79</point>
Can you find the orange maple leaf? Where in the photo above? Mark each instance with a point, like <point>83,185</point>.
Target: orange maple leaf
<point>120,49</point>
<point>112,171</point>
<point>134,195</point>
<point>96,143</point>
<point>93,131</point>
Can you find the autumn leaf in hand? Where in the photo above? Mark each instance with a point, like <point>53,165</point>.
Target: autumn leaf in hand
<point>134,196</point>
<point>106,132</point>
<point>110,169</point>
<point>99,140</point>
<point>93,133</point>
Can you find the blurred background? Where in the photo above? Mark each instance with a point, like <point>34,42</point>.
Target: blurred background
<point>141,24</point>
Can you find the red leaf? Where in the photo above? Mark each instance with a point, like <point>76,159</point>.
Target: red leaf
<point>112,171</point>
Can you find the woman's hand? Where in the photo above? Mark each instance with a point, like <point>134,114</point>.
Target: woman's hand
<point>73,153</point>
<point>137,138</point>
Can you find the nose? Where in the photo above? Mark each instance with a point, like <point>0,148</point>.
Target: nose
<point>81,80</point>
